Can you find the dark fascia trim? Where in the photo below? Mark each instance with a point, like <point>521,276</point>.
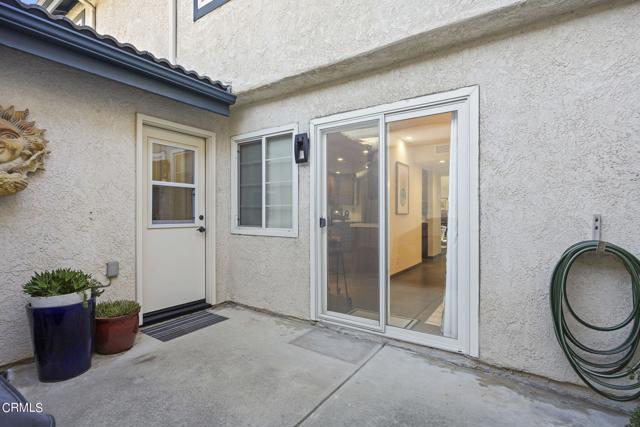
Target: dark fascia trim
<point>41,37</point>
<point>200,12</point>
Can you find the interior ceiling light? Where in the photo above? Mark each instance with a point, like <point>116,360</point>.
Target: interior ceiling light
<point>365,151</point>
<point>409,138</point>
<point>442,161</point>
<point>340,159</point>
<point>369,141</point>
<point>338,172</point>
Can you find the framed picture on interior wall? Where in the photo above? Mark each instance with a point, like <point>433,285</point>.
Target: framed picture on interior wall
<point>402,189</point>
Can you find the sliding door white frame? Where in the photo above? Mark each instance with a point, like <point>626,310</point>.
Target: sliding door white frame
<point>465,104</point>
<point>324,314</point>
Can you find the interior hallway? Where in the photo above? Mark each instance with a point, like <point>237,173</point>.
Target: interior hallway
<point>417,297</point>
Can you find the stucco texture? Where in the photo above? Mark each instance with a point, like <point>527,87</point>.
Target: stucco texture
<point>149,31</point>
<point>80,212</point>
<point>266,53</point>
<point>559,125</point>
<point>255,43</point>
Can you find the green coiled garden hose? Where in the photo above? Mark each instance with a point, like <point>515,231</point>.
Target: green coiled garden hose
<point>610,372</point>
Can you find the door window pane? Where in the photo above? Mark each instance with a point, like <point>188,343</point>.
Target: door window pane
<point>352,261</point>
<point>173,205</point>
<point>173,164</point>
<point>250,184</point>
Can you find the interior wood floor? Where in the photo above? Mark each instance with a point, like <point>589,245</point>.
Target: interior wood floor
<point>416,295</point>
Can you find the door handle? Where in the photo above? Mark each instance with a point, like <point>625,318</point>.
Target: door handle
<point>201,229</point>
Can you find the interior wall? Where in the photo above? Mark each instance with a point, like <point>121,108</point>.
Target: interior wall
<point>405,231</point>
<point>557,130</point>
<point>434,215</point>
<point>80,212</point>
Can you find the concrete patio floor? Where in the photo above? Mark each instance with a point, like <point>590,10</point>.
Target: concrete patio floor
<point>261,370</point>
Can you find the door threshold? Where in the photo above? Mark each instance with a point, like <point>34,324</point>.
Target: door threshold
<point>172,312</point>
<point>398,334</point>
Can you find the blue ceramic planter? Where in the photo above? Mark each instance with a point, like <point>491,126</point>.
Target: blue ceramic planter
<point>62,340</point>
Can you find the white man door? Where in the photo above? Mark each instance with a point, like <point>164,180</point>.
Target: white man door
<point>174,218</point>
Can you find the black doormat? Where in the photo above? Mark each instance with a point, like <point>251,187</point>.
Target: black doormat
<point>174,328</point>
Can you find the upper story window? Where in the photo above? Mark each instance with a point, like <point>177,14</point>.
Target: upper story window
<point>80,18</point>
<point>202,7</point>
<point>265,183</point>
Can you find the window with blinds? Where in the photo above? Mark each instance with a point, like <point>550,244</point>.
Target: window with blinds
<point>265,182</point>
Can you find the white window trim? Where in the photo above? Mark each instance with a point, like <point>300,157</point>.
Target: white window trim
<point>80,18</point>
<point>264,231</point>
<point>83,9</point>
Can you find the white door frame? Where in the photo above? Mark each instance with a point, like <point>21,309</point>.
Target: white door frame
<point>321,209</point>
<point>468,340</point>
<point>210,200</point>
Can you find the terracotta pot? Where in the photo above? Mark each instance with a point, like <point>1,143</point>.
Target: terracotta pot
<point>116,334</point>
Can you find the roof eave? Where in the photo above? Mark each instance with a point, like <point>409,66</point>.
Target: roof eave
<point>41,37</point>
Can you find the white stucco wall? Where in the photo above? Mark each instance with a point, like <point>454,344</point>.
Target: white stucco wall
<point>80,212</point>
<point>559,125</point>
<point>147,24</point>
<point>256,43</point>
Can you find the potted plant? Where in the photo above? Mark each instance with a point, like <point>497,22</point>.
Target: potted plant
<point>61,314</point>
<point>116,326</point>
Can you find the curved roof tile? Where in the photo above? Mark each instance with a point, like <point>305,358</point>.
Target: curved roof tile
<point>128,47</point>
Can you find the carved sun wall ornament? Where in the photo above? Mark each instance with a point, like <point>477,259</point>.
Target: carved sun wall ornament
<point>22,150</point>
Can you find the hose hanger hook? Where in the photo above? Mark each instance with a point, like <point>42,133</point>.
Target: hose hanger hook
<point>597,234</point>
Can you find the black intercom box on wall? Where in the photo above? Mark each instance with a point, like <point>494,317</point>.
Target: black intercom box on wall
<point>301,148</point>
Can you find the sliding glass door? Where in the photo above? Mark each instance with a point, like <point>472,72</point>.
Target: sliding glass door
<point>423,223</point>
<point>351,224</point>
<point>396,243</point>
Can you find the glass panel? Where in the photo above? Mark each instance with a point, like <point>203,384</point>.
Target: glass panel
<point>250,184</point>
<point>421,296</point>
<point>279,216</point>
<point>173,164</point>
<point>280,146</point>
<point>353,267</point>
<point>173,205</point>
<point>278,187</point>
